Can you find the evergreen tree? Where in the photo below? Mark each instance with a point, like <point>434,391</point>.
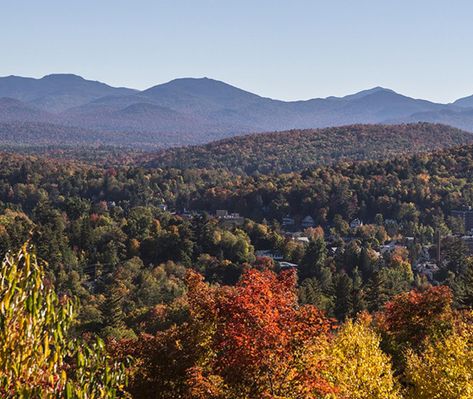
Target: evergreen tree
<point>311,293</point>
<point>463,286</point>
<point>314,259</point>
<point>343,301</point>
<point>114,316</point>
<point>366,266</point>
<point>376,295</point>
<point>357,294</point>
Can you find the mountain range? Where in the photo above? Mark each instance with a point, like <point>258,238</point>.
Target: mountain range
<point>192,111</point>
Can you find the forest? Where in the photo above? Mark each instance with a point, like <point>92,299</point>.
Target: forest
<point>294,150</point>
<point>142,279</point>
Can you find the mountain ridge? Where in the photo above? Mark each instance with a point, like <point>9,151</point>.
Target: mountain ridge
<point>198,110</point>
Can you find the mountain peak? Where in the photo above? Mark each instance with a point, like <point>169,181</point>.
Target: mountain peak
<point>63,77</point>
<point>364,93</point>
<point>190,82</point>
<point>205,88</point>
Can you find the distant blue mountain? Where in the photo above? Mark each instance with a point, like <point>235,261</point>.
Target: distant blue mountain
<point>191,110</point>
<point>57,92</point>
<point>466,102</point>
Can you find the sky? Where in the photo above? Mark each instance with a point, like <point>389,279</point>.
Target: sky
<point>291,49</point>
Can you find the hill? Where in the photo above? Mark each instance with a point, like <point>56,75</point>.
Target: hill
<point>15,110</point>
<point>292,150</point>
<point>21,135</point>
<point>461,118</point>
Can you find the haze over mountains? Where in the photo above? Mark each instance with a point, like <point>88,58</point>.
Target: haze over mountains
<point>192,111</point>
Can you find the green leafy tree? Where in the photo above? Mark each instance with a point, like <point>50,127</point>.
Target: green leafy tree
<point>38,357</point>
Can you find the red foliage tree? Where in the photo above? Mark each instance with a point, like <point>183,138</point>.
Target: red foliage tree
<point>413,316</point>
<point>252,340</point>
<point>265,338</point>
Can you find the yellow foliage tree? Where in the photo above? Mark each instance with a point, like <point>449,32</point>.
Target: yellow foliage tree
<point>357,366</point>
<point>38,358</point>
<point>444,370</point>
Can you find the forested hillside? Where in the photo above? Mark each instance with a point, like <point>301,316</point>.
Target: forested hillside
<point>293,150</point>
<point>330,270</point>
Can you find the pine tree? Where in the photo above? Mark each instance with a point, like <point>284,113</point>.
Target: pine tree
<point>313,260</point>
<point>366,266</point>
<point>114,316</point>
<point>376,295</point>
<point>343,301</point>
<point>311,293</point>
<point>357,294</point>
<point>463,286</point>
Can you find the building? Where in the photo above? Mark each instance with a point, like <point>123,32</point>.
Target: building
<point>307,222</point>
<point>229,220</point>
<point>303,239</point>
<point>389,247</point>
<point>267,253</point>
<point>427,269</point>
<point>288,221</point>
<point>297,236</point>
<point>287,265</point>
<point>355,223</point>
<point>186,214</point>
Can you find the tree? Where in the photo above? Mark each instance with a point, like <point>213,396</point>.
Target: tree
<point>343,300</point>
<point>366,264</point>
<point>376,292</point>
<point>35,342</point>
<point>358,301</point>
<point>248,341</point>
<point>462,285</point>
<point>455,256</point>
<point>172,359</point>
<point>266,340</point>
<point>413,316</point>
<point>313,260</point>
<point>357,366</point>
<point>444,369</point>
<point>410,319</point>
<point>311,293</point>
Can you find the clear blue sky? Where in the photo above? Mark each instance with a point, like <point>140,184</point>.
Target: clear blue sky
<point>292,49</point>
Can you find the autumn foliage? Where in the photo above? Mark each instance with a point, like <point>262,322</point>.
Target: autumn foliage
<point>444,369</point>
<point>357,366</point>
<point>39,357</point>
<point>266,341</point>
<point>413,316</point>
<point>252,340</point>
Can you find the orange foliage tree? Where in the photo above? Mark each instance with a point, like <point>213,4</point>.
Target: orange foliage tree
<point>411,318</point>
<point>249,341</point>
<point>265,340</point>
